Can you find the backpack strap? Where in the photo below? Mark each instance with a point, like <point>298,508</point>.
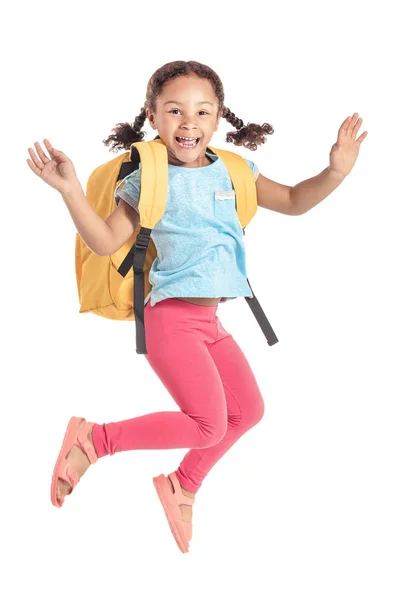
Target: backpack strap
<point>243,183</point>
<point>152,202</point>
<point>242,178</point>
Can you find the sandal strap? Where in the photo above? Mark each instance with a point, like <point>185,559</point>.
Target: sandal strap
<point>84,443</point>
<point>180,497</point>
<point>69,474</point>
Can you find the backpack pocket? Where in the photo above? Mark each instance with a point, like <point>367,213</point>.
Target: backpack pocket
<point>225,205</point>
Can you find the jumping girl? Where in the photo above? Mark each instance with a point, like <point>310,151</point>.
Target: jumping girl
<point>201,261</point>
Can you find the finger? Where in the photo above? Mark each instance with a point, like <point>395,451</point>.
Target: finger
<point>35,159</point>
<point>356,128</point>
<point>52,151</point>
<point>352,123</point>
<point>349,125</point>
<point>343,131</point>
<point>32,166</point>
<point>42,155</point>
<point>362,137</point>
<point>344,125</point>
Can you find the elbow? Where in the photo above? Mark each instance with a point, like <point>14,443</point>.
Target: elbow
<point>106,251</point>
<point>108,245</point>
<point>103,251</point>
<point>97,251</point>
<point>294,209</point>
<point>102,244</point>
<point>297,213</point>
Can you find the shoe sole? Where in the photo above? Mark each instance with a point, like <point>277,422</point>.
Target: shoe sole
<point>69,436</point>
<point>163,489</point>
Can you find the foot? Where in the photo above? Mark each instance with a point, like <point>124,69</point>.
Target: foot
<point>78,459</point>
<point>186,510</point>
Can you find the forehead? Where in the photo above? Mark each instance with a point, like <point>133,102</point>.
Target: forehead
<point>188,87</point>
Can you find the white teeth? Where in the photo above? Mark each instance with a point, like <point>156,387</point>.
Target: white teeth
<point>187,142</point>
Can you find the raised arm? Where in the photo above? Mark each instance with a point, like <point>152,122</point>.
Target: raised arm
<point>103,237</point>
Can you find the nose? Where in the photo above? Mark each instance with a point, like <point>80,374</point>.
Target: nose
<point>186,126</point>
<point>190,131</point>
<point>189,122</point>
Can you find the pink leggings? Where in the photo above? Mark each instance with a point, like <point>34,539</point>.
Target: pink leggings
<point>209,378</point>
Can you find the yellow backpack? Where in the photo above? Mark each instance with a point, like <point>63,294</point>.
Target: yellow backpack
<point>105,283</point>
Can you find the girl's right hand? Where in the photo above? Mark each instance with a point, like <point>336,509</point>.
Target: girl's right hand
<point>58,171</point>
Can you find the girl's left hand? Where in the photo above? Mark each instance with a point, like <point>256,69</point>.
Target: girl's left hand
<point>344,152</point>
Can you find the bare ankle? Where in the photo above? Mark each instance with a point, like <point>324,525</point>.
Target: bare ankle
<point>187,493</point>
<point>91,439</point>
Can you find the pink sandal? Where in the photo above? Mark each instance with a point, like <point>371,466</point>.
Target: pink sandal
<point>171,502</point>
<point>74,435</point>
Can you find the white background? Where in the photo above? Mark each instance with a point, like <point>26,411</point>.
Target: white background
<point>306,505</point>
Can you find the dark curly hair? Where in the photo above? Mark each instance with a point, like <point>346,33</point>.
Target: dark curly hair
<point>124,134</point>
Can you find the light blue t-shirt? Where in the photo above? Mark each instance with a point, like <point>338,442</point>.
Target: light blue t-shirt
<point>199,239</point>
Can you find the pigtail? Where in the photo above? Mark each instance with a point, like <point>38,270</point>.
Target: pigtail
<point>125,134</point>
<point>249,135</point>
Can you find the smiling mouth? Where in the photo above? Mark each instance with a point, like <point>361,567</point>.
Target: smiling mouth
<point>188,144</point>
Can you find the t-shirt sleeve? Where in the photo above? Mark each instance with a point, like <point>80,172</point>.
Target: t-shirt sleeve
<point>253,167</point>
<point>129,190</point>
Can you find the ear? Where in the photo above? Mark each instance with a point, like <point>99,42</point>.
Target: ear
<point>150,118</point>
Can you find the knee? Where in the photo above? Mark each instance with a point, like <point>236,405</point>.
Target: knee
<point>213,433</point>
<point>257,412</point>
<point>260,412</point>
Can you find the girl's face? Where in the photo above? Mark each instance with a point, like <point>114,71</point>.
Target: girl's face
<point>187,107</point>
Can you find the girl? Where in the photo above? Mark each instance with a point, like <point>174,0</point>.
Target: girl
<point>201,261</point>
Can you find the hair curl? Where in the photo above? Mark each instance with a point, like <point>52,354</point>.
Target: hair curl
<point>249,136</point>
